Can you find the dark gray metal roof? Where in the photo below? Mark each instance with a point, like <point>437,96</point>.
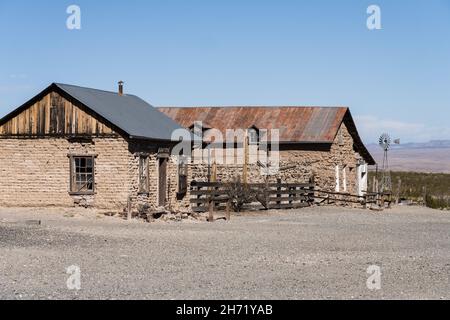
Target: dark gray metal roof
<point>128,112</point>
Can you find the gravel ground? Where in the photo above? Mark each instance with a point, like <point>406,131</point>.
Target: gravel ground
<point>314,253</point>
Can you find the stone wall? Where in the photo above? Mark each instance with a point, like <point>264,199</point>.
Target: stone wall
<point>36,172</point>
<point>300,164</point>
<point>150,198</point>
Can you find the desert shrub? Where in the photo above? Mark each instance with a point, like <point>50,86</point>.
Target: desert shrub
<point>414,185</point>
<point>143,210</point>
<point>437,202</point>
<point>240,194</point>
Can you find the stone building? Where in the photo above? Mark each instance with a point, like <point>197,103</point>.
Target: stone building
<point>73,146</point>
<point>315,143</point>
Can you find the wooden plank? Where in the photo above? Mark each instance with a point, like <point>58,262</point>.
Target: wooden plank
<point>271,185</point>
<point>34,119</point>
<point>211,212</point>
<point>291,192</point>
<point>162,182</point>
<point>93,126</point>
<point>43,114</point>
<point>47,103</point>
<point>61,128</point>
<point>340,194</point>
<point>208,192</point>
<point>228,211</point>
<point>298,198</point>
<point>206,184</point>
<point>67,116</point>
<point>292,185</point>
<point>224,192</point>
<point>74,114</point>
<point>129,206</point>
<point>339,200</point>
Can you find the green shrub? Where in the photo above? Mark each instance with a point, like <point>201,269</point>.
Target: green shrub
<point>414,185</point>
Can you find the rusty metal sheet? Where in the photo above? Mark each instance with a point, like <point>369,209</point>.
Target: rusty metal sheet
<point>296,124</point>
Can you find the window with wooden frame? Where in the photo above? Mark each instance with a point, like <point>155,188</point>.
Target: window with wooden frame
<point>143,174</point>
<point>82,174</point>
<point>253,136</point>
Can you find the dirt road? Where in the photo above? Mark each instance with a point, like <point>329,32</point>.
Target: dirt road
<point>314,253</point>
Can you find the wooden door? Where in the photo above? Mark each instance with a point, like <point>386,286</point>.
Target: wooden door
<point>162,182</point>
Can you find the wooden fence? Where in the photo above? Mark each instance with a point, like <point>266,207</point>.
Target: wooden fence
<point>271,195</point>
<point>215,196</point>
<point>369,199</point>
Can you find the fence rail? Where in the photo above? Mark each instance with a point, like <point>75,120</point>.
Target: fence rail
<point>378,199</point>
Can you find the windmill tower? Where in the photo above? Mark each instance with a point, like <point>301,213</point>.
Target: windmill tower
<point>386,182</point>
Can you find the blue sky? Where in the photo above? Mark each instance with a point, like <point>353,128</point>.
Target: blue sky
<point>247,52</point>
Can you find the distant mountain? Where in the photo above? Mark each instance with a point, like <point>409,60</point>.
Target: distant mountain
<point>417,145</point>
<point>433,156</point>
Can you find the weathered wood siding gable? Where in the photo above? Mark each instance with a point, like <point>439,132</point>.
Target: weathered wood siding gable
<point>53,115</point>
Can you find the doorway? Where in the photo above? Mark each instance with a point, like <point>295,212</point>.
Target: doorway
<point>162,181</point>
<point>362,178</point>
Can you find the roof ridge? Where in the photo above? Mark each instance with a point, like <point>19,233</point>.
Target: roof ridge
<point>89,88</point>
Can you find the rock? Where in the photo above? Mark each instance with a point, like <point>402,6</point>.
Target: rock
<point>195,215</point>
<point>33,222</point>
<point>161,209</point>
<point>158,213</point>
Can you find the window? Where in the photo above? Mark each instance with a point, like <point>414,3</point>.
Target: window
<point>82,174</point>
<point>253,136</point>
<point>143,174</point>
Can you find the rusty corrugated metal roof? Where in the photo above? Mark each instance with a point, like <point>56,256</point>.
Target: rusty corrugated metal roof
<point>295,124</point>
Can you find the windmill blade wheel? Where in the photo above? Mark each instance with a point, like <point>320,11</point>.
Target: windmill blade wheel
<point>385,141</point>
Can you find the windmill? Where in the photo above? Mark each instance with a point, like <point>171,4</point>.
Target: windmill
<point>386,182</point>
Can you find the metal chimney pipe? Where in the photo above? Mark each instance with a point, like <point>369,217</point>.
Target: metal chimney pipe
<point>120,88</point>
